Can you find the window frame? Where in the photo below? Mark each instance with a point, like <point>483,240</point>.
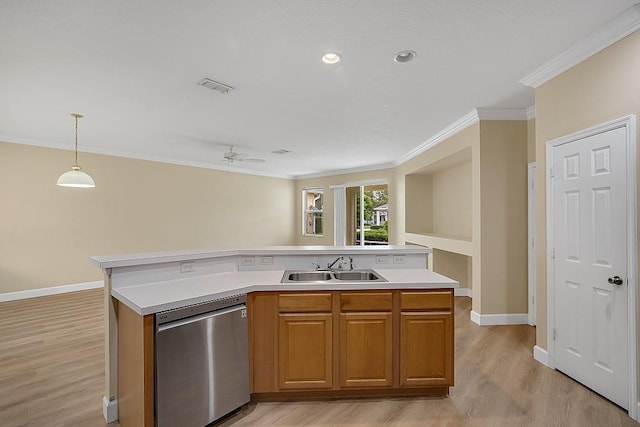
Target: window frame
<point>307,211</point>
<point>340,205</point>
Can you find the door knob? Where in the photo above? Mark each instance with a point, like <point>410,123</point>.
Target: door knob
<point>616,280</point>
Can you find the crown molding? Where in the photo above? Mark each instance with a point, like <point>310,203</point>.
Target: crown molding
<point>464,122</point>
<point>160,159</point>
<point>359,183</point>
<point>502,114</point>
<point>618,28</point>
<point>137,156</point>
<point>531,112</point>
<point>381,166</point>
<point>455,127</point>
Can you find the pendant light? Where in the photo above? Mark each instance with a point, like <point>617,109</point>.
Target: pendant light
<point>76,177</point>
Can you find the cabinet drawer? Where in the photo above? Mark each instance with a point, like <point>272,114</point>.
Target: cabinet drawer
<point>304,302</point>
<point>365,301</point>
<point>428,301</point>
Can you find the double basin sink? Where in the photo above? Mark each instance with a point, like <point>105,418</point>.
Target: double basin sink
<point>323,276</point>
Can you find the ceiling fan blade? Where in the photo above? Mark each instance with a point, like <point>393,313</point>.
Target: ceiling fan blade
<point>233,156</point>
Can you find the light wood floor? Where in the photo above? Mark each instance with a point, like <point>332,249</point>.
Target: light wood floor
<point>52,374</point>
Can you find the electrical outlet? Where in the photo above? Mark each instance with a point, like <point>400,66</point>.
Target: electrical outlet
<point>382,259</point>
<point>187,267</point>
<point>247,260</point>
<point>398,259</point>
<point>266,260</point>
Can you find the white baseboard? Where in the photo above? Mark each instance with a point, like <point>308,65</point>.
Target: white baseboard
<point>499,319</point>
<point>541,355</point>
<point>109,409</point>
<point>463,292</point>
<point>32,293</point>
<point>475,317</point>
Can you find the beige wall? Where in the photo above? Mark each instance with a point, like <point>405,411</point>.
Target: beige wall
<point>476,225</point>
<point>603,87</point>
<point>451,201</point>
<point>418,207</point>
<point>49,233</point>
<point>503,217</point>
<point>453,265</point>
<point>327,214</point>
<point>531,140</point>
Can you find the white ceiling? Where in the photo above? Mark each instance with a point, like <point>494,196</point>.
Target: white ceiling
<point>132,68</point>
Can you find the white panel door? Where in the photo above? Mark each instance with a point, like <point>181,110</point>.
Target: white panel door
<point>589,248</point>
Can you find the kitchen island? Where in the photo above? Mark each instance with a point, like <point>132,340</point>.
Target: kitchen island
<point>306,340</point>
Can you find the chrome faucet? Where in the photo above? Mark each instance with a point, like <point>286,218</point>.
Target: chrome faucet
<point>340,258</point>
<point>331,264</point>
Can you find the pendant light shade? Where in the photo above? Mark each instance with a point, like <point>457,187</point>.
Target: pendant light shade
<point>76,177</point>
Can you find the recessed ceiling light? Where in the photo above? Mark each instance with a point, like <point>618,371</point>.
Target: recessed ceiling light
<point>405,56</point>
<point>331,58</point>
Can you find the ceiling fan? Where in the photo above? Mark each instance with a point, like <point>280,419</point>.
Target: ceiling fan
<point>232,156</point>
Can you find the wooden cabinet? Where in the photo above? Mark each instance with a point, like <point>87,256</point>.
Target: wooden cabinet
<point>305,341</point>
<point>356,343</point>
<point>366,339</point>
<point>315,344</point>
<point>305,351</point>
<point>135,367</point>
<point>366,350</point>
<point>262,309</point>
<point>426,338</point>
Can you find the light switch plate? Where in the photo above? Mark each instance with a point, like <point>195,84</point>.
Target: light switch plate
<point>266,260</point>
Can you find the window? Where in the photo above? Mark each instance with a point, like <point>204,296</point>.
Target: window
<point>312,212</point>
<point>370,214</point>
<point>361,213</point>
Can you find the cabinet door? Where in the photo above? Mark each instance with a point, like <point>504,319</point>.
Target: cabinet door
<point>426,349</point>
<point>366,350</point>
<point>305,351</point>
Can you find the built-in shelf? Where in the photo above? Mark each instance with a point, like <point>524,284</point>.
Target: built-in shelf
<point>456,244</point>
<point>438,203</point>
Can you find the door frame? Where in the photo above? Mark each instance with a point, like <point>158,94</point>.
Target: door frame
<point>340,208</point>
<point>531,234</point>
<point>629,124</point>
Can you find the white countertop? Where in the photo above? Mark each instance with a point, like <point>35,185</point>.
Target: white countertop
<point>151,298</point>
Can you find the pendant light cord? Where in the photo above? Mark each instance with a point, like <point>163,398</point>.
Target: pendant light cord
<point>76,117</point>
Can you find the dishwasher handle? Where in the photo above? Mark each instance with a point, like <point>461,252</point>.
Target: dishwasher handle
<point>211,314</point>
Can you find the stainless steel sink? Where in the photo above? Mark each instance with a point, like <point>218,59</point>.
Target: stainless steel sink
<point>357,275</point>
<point>296,276</point>
<point>307,276</point>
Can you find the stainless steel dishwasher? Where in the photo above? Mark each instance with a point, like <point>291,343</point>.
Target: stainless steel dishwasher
<point>202,362</point>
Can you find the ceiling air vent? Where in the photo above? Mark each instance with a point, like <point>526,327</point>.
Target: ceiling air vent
<point>213,85</point>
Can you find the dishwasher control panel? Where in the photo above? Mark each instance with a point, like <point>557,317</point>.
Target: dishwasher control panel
<point>196,309</point>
